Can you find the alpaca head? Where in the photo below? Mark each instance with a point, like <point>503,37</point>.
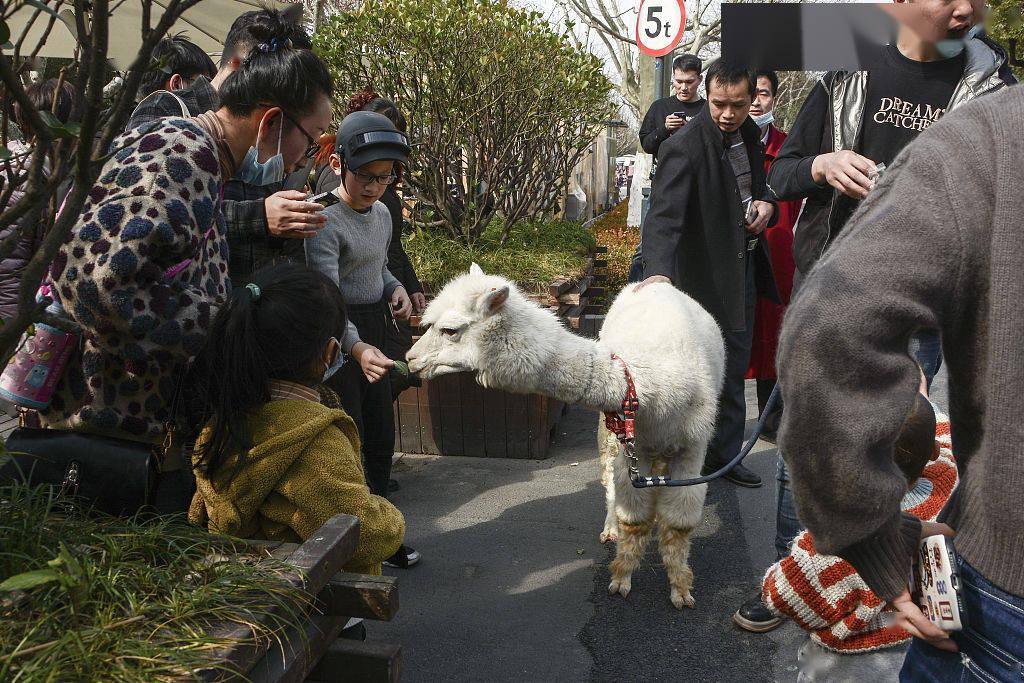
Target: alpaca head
<point>477,324</point>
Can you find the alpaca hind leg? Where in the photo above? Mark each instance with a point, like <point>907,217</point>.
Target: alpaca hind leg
<point>679,513</point>
<point>635,511</point>
<point>608,449</point>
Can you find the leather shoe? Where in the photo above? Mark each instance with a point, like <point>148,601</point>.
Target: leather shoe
<point>753,616</point>
<point>739,475</point>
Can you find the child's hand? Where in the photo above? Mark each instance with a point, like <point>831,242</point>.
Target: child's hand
<point>419,302</point>
<point>401,304</point>
<point>372,361</point>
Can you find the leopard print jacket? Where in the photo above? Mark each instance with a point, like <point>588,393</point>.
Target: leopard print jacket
<point>143,272</point>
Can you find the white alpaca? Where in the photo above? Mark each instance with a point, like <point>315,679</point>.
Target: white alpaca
<point>481,323</point>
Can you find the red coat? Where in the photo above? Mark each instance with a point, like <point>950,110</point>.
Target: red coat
<point>768,314</point>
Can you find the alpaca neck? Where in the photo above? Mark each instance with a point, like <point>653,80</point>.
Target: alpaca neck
<point>579,371</point>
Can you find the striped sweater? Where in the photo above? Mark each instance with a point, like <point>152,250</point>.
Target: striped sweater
<point>824,594</point>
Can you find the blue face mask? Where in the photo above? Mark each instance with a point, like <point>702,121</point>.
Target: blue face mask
<point>271,171</point>
<point>336,365</point>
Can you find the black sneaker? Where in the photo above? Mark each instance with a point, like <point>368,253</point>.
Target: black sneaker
<point>403,558</point>
<point>753,616</point>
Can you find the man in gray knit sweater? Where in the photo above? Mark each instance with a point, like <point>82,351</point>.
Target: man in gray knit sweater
<point>937,245</point>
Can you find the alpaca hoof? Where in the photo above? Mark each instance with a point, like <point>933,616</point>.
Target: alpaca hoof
<point>609,535</point>
<point>680,601</point>
<point>620,586</point>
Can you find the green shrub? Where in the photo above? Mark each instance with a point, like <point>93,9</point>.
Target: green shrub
<point>536,253</point>
<point>501,104</point>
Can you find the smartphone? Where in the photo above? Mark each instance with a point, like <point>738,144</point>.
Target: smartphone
<point>939,592</point>
<point>680,114</point>
<point>325,198</point>
<point>751,214</point>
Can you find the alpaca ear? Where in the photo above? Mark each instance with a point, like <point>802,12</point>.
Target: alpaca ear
<point>476,270</point>
<point>493,300</point>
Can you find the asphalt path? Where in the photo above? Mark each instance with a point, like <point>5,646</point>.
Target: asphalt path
<point>513,582</point>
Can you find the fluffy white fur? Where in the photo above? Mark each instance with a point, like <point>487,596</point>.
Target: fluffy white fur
<point>482,323</point>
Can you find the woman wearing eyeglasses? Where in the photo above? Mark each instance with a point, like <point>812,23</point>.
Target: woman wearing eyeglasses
<point>145,268</point>
<point>352,250</point>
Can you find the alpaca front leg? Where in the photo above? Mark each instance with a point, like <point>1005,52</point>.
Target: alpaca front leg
<point>635,518</point>
<point>628,553</point>
<point>675,554</point>
<point>608,449</point>
<point>679,513</point>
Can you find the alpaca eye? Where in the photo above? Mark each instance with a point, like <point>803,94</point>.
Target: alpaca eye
<point>449,331</point>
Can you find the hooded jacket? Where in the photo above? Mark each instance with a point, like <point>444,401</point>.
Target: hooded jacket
<point>830,120</point>
<point>303,469</point>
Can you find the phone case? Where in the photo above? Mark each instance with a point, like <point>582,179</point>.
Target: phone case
<point>938,584</point>
<point>325,198</point>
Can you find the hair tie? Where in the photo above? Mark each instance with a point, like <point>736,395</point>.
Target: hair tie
<point>255,291</point>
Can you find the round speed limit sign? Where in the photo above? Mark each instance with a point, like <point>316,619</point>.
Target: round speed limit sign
<point>659,26</point>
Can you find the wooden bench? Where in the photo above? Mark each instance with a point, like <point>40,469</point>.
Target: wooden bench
<point>339,596</point>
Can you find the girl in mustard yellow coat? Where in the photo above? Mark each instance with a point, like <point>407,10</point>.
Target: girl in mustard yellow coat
<point>273,461</point>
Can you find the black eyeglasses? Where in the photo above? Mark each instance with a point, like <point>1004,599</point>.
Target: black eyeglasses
<point>314,146</point>
<point>367,178</point>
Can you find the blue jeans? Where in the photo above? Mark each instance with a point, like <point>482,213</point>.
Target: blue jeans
<point>787,524</point>
<point>991,647</point>
<point>927,349</point>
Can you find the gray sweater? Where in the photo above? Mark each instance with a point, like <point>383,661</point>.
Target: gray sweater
<point>937,244</point>
<point>352,250</point>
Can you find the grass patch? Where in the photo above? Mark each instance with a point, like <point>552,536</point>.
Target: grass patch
<point>534,255</point>
<point>105,599</point>
<point>610,231</point>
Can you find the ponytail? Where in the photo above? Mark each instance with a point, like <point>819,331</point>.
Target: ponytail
<point>276,328</point>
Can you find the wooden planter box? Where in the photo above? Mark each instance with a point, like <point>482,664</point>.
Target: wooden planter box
<point>453,415</point>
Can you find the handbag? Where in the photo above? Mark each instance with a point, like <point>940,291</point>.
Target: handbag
<point>112,475</point>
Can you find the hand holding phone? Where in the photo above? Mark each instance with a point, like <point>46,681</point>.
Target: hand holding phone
<point>325,199</point>
<point>939,592</point>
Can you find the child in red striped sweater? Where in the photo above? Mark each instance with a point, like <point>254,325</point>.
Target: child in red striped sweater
<point>825,596</point>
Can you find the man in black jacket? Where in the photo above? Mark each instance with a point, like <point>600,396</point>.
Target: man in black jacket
<point>704,234</point>
<point>671,113</point>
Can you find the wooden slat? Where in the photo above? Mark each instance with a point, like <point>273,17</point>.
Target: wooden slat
<point>409,429</point>
<point>317,559</point>
<point>430,421</point>
<point>360,595</point>
<point>298,653</point>
<point>517,425</point>
<point>365,662</point>
<point>445,399</point>
<point>559,287</point>
<point>471,397</point>
<point>495,444</point>
<point>324,553</point>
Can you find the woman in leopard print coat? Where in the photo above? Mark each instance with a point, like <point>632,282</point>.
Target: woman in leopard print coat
<point>146,267</point>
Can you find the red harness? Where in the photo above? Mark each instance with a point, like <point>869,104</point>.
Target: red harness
<point>623,423</point>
